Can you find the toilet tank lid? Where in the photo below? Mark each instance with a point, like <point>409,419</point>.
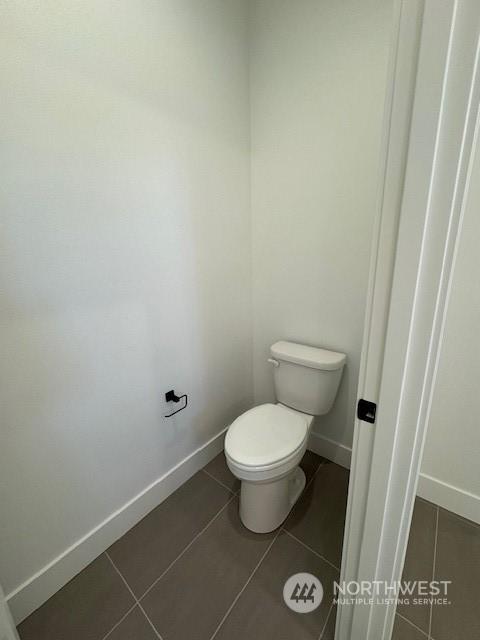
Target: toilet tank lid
<point>312,357</point>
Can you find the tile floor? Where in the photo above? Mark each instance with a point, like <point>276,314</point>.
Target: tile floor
<point>442,546</point>
<point>190,571</point>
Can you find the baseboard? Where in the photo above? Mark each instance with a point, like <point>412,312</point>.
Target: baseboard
<point>330,449</point>
<point>41,586</point>
<point>445,495</point>
<point>449,497</point>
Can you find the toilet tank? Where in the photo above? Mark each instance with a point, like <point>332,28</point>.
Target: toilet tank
<point>306,378</point>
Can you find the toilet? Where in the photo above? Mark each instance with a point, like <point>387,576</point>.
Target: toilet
<point>264,446</point>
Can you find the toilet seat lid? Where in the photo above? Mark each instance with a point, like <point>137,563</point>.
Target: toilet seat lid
<point>265,434</point>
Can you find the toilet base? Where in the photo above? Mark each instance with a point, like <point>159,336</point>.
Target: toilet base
<point>265,505</point>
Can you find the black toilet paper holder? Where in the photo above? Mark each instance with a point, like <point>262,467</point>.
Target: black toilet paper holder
<point>171,396</point>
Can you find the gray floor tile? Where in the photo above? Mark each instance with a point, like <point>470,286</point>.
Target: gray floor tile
<point>193,596</point>
<point>318,519</point>
<point>403,630</point>
<point>328,632</point>
<point>458,560</point>
<point>85,609</point>
<point>134,627</point>
<point>145,551</point>
<point>310,463</point>
<point>261,612</point>
<point>218,469</point>
<point>419,559</point>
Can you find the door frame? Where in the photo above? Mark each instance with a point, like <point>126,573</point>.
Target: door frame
<point>430,131</point>
<point>7,626</point>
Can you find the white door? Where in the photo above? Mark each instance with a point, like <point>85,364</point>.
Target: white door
<point>430,131</point>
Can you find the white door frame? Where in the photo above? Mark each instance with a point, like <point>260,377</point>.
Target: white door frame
<point>430,133</point>
<point>7,627</point>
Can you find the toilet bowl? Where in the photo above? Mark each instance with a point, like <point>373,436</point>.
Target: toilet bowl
<point>264,446</point>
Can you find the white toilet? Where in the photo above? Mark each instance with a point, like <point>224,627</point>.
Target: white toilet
<point>264,445</point>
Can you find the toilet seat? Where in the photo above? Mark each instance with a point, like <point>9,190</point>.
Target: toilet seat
<point>263,449</point>
<point>266,437</point>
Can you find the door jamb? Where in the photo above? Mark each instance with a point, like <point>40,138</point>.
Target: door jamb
<point>7,627</point>
<point>410,278</point>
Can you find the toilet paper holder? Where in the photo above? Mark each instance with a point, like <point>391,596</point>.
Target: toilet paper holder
<point>171,396</point>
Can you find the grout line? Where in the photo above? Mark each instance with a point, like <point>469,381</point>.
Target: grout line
<point>218,481</point>
<point>137,600</point>
<point>186,548</point>
<point>121,576</point>
<point>154,629</point>
<point>412,624</point>
<point>319,555</point>
<point>244,586</point>
<point>433,570</point>
<point>260,562</point>
<point>120,621</point>
<point>314,475</point>
<point>133,596</point>
<point>322,464</point>
<point>326,622</point>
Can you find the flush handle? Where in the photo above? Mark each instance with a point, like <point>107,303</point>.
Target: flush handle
<point>274,362</point>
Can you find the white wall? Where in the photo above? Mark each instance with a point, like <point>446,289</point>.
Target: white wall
<point>124,258</point>
<point>317,89</point>
<point>452,448</point>
<point>125,251</point>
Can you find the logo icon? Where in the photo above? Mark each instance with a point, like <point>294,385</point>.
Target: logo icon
<point>303,592</point>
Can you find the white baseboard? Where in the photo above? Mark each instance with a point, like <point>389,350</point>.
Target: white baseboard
<point>41,586</point>
<point>449,497</point>
<point>445,495</point>
<point>334,451</point>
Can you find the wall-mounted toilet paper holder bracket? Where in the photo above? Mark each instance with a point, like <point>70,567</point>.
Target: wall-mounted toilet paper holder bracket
<point>171,396</point>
